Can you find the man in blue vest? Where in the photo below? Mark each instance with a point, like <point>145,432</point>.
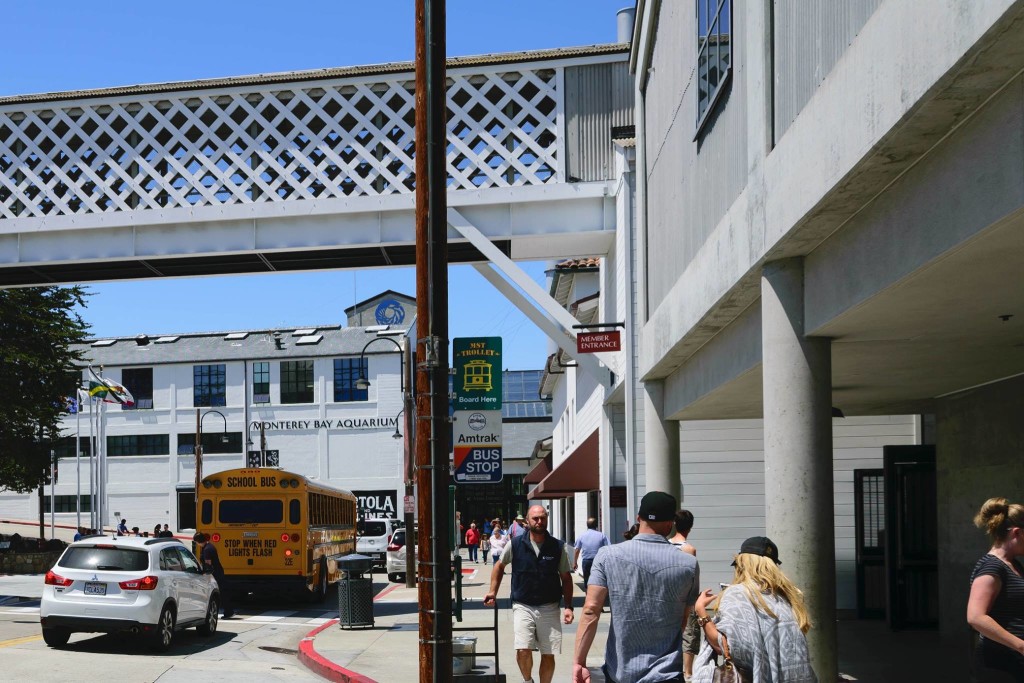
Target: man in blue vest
<point>540,579</point>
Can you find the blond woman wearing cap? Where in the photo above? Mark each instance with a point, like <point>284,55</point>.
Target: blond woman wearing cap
<point>761,621</point>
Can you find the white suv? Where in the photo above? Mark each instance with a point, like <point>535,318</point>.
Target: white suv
<point>375,537</point>
<point>148,586</point>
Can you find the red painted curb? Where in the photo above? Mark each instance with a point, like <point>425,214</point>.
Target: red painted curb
<point>322,666</point>
<point>325,667</point>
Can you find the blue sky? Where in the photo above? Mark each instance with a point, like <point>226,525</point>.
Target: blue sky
<point>65,45</point>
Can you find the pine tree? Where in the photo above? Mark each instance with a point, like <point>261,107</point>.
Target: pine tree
<point>38,372</point>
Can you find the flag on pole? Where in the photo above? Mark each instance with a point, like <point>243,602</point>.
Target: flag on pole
<point>109,391</point>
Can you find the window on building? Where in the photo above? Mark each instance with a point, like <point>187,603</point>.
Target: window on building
<point>138,381</point>
<point>297,381</point>
<point>261,382</point>
<point>714,54</point>
<point>213,442</point>
<point>209,386</point>
<point>67,504</point>
<point>521,395</point>
<point>138,444</point>
<point>346,372</point>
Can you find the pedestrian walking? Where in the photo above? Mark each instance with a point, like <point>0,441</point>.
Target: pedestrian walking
<point>540,579</point>
<point>652,586</point>
<point>587,545</point>
<point>761,621</point>
<point>518,527</point>
<point>498,540</point>
<point>691,633</point>
<point>473,542</point>
<point>995,608</point>
<point>485,539</point>
<point>210,561</point>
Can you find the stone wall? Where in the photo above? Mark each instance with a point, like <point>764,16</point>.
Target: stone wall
<point>28,563</point>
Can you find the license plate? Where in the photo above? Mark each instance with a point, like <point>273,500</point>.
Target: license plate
<point>95,589</point>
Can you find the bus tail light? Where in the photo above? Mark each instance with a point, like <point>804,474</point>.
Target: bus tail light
<point>285,537</point>
<point>215,538</point>
<point>295,538</point>
<point>288,552</point>
<point>146,583</point>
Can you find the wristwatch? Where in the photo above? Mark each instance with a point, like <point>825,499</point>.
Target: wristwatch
<point>703,621</point>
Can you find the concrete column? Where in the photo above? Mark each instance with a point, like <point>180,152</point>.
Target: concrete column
<point>661,442</point>
<point>799,515</point>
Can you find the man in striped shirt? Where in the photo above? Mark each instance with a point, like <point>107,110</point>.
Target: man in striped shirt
<point>652,587</point>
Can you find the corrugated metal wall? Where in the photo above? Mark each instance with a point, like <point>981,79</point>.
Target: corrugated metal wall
<point>598,97</point>
<point>810,37</point>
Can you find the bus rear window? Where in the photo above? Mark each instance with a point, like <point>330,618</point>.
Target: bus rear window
<point>251,511</point>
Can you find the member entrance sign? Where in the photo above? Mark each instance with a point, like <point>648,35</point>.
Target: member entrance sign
<point>476,432</point>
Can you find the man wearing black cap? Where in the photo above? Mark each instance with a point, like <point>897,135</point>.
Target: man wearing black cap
<point>653,587</point>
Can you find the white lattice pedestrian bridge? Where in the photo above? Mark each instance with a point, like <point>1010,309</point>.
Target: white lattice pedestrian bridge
<point>308,170</point>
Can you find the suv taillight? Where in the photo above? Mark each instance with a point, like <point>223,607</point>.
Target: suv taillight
<point>57,580</point>
<point>392,547</point>
<point>146,583</point>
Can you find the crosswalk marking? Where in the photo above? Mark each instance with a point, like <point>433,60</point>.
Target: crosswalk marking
<point>276,617</point>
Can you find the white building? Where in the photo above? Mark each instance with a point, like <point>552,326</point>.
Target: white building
<point>294,387</point>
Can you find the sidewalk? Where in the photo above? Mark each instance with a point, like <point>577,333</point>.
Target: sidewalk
<point>388,652</point>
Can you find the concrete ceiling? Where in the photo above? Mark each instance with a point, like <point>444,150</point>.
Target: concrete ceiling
<point>938,331</point>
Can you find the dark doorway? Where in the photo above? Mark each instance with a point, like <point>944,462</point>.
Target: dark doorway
<point>869,512</point>
<point>478,502</point>
<point>911,536</point>
<point>187,508</point>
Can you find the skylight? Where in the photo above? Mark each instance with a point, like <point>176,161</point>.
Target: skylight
<point>167,340</point>
<point>305,331</point>
<point>309,339</point>
<point>236,335</point>
<point>105,342</point>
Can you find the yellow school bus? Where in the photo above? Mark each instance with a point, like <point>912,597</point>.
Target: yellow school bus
<point>275,529</point>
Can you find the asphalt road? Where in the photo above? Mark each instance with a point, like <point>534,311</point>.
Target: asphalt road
<point>260,644</point>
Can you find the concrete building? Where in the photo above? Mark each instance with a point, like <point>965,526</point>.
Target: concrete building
<point>830,216</point>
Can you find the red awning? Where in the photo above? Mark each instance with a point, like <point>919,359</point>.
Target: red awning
<point>577,473</point>
<point>539,471</point>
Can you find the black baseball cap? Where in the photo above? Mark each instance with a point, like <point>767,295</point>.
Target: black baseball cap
<point>760,545</point>
<point>658,506</point>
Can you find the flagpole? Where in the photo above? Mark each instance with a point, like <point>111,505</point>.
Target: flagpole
<point>78,458</point>
<point>94,458</point>
<point>102,473</point>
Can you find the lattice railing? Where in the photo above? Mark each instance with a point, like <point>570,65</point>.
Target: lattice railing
<point>272,143</point>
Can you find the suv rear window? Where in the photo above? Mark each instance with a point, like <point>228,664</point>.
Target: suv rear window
<point>399,537</point>
<point>112,559</point>
<point>251,511</point>
<point>373,528</point>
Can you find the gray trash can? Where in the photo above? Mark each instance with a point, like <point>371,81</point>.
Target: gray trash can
<point>355,593</point>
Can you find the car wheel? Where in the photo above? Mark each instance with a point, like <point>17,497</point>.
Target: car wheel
<point>56,637</point>
<point>164,634</point>
<point>320,593</point>
<point>209,627</point>
<point>393,577</point>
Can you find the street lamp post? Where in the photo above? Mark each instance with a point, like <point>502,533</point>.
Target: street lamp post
<point>199,448</point>
<point>363,383</point>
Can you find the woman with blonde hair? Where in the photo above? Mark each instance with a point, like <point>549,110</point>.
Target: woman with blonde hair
<point>995,608</point>
<point>761,621</point>
<point>497,541</point>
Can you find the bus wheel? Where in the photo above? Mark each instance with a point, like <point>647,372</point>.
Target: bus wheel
<point>320,593</point>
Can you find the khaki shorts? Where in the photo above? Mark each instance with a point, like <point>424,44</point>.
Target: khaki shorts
<point>691,634</point>
<point>537,628</point>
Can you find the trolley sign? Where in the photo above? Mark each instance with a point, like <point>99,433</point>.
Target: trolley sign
<point>477,365</point>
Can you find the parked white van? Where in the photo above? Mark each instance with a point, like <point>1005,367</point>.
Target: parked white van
<point>374,535</point>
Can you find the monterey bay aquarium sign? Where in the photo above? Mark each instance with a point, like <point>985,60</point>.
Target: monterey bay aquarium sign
<point>476,427</point>
<point>346,423</point>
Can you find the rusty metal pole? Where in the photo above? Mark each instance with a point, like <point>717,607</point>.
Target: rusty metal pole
<point>432,345</point>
